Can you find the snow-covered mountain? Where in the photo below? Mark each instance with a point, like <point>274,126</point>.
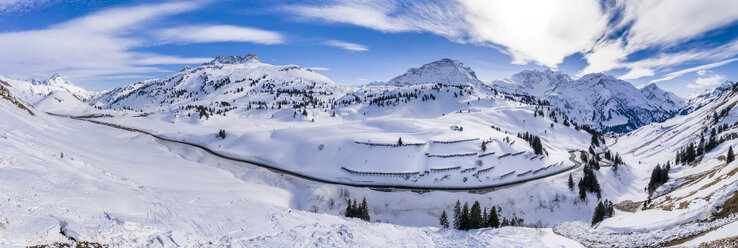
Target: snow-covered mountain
<point>703,97</point>
<point>444,71</point>
<point>668,101</point>
<point>225,84</point>
<point>36,89</point>
<point>598,100</point>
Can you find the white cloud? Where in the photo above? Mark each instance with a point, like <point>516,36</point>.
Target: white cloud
<point>86,47</point>
<point>703,72</point>
<point>546,32</point>
<point>104,44</point>
<point>316,68</point>
<point>347,45</point>
<point>219,33</point>
<point>707,82</point>
<point>675,74</point>
<point>542,35</point>
<point>658,24</point>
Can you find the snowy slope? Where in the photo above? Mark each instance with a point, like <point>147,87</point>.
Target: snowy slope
<point>67,179</point>
<point>690,202</point>
<point>600,101</point>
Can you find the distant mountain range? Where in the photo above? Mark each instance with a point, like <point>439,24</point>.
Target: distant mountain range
<point>227,83</point>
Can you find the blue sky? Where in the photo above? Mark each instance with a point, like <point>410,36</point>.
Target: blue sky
<point>683,46</point>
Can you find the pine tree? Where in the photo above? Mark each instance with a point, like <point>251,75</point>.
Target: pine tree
<point>582,191</point>
<point>364,210</point>
<point>444,220</point>
<point>730,157</point>
<point>349,211</point>
<point>492,218</point>
<point>484,146</point>
<point>465,217</point>
<point>399,141</point>
<point>457,215</point>
<point>571,182</point>
<point>599,213</point>
<point>475,216</point>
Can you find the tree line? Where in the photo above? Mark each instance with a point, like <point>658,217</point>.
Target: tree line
<point>474,217</point>
<point>355,210</point>
<point>534,141</point>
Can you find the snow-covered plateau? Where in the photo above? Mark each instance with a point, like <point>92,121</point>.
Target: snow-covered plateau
<point>240,153</point>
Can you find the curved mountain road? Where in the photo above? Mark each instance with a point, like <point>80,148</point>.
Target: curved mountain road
<point>379,187</point>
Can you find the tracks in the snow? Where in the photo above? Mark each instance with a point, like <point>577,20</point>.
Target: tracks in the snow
<point>380,187</point>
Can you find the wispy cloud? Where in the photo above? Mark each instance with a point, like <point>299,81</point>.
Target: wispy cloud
<point>698,69</point>
<point>707,82</point>
<point>607,33</point>
<point>316,68</point>
<point>88,46</point>
<point>107,44</point>
<point>347,45</point>
<point>219,33</point>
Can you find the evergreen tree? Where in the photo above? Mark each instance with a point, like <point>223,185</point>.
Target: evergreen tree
<point>364,210</point>
<point>571,182</point>
<point>582,191</point>
<point>399,141</point>
<point>730,157</point>
<point>492,218</point>
<point>659,176</point>
<point>457,215</point>
<point>599,213</point>
<point>444,220</point>
<point>349,211</point>
<point>537,146</point>
<point>465,217</point>
<point>475,216</point>
<point>484,146</point>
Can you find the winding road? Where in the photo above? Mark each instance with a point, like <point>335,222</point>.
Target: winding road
<point>379,187</point>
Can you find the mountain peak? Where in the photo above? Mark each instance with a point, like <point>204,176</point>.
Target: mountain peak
<point>54,80</point>
<point>222,59</point>
<point>445,71</point>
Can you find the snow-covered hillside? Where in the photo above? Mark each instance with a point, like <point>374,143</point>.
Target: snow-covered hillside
<point>65,180</point>
<point>600,101</point>
<point>412,147</point>
<point>693,200</point>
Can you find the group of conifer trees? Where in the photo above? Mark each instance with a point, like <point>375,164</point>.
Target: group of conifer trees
<point>466,218</point>
<point>355,210</point>
<point>221,134</point>
<point>603,211</point>
<point>589,183</point>
<point>659,176</point>
<point>690,153</point>
<point>534,141</point>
